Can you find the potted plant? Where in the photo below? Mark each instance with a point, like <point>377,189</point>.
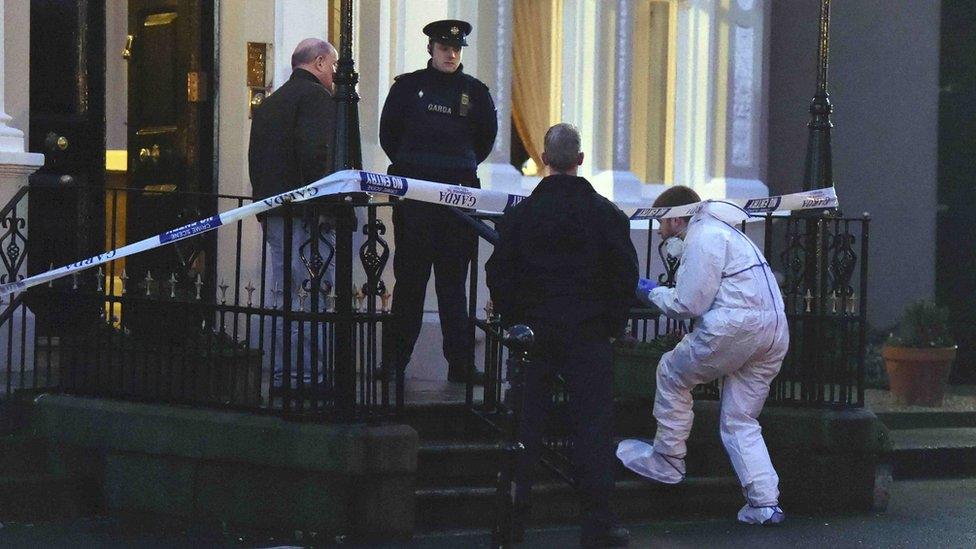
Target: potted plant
<point>918,355</point>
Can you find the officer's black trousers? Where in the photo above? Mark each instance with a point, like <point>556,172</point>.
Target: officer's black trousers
<point>427,236</point>
<point>585,362</point>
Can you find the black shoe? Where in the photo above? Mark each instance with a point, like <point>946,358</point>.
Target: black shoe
<point>618,536</point>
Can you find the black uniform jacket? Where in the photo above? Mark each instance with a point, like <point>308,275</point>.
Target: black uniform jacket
<point>438,126</point>
<point>292,135</point>
<point>565,258</point>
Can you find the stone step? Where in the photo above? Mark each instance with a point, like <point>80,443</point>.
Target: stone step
<point>927,418</point>
<point>934,452</point>
<point>444,422</point>
<point>445,463</point>
<point>556,502</point>
<point>45,496</point>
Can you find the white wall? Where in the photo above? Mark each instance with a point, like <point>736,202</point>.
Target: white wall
<point>16,64</point>
<point>294,21</point>
<point>240,23</point>
<point>883,82</point>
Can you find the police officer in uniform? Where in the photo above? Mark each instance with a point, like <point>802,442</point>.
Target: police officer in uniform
<point>438,124</point>
<point>565,266</point>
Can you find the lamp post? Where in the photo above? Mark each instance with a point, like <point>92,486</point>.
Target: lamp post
<point>817,174</point>
<point>348,150</point>
<point>348,155</point>
<point>818,170</point>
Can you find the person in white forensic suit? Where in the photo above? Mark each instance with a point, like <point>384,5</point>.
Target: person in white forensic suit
<point>741,337</point>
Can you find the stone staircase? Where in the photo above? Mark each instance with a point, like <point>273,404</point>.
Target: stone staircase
<point>932,443</point>
<point>458,461</point>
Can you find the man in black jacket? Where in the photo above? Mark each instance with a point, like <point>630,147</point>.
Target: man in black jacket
<point>292,145</point>
<point>437,124</point>
<point>565,266</point>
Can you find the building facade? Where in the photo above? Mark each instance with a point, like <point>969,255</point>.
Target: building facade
<point>713,94</point>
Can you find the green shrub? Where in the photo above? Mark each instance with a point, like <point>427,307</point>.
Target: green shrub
<point>923,325</point>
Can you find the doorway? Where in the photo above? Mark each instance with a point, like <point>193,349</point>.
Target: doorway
<point>955,229</point>
<point>158,170</point>
<point>170,114</point>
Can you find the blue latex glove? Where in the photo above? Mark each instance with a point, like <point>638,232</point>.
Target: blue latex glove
<point>644,286</point>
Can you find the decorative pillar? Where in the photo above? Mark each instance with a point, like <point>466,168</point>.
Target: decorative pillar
<point>818,172</point>
<point>15,163</point>
<point>622,92</point>
<point>735,155</point>
<point>497,172</point>
<point>15,166</point>
<point>613,177</point>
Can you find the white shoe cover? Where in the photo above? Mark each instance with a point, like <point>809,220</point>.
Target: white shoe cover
<point>640,457</point>
<point>765,516</point>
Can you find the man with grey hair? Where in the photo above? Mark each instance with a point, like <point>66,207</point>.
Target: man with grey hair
<point>291,145</point>
<point>565,266</point>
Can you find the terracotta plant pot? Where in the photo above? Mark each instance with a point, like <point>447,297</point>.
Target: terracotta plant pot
<point>918,376</point>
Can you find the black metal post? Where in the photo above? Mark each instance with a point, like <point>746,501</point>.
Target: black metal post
<point>348,150</point>
<point>509,520</point>
<point>817,174</point>
<point>348,155</point>
<point>818,170</point>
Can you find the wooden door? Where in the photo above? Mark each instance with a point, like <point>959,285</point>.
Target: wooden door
<point>67,125</point>
<point>170,139</point>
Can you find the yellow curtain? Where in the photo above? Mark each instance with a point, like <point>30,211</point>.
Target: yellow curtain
<point>536,73</point>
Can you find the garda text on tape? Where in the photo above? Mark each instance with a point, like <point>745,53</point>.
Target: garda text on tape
<point>350,181</point>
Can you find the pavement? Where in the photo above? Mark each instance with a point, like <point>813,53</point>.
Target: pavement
<point>923,513</point>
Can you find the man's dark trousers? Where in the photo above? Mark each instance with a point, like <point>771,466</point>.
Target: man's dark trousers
<point>585,361</point>
<point>428,236</point>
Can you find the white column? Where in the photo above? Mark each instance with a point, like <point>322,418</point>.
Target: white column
<point>12,139</point>
<point>375,42</point>
<point>15,163</point>
<point>693,97</point>
<point>15,166</point>
<point>611,158</point>
<point>622,91</point>
<point>580,19</point>
<point>739,147</point>
<point>719,143</point>
<point>494,38</point>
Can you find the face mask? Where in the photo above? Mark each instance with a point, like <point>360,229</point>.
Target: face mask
<point>674,247</point>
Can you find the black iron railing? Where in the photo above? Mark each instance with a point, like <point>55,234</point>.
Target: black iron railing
<point>184,324</point>
<point>824,367</point>
<point>826,313</point>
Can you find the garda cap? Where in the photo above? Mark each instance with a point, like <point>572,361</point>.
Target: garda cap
<point>449,31</point>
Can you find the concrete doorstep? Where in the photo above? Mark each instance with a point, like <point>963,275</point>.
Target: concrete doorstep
<point>931,442</point>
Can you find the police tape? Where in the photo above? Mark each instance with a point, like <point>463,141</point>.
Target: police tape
<point>350,181</point>
<point>808,200</point>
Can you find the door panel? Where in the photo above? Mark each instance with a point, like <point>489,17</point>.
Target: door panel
<point>956,232</point>
<point>170,142</point>
<point>67,125</point>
